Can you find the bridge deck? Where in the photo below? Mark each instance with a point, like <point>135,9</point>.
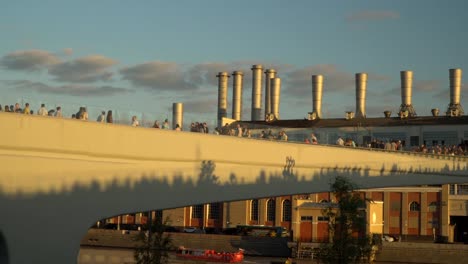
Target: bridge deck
<point>84,171</point>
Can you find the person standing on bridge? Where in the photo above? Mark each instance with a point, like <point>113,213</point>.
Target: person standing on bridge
<point>340,141</point>
<point>166,124</point>
<point>102,117</point>
<point>43,110</point>
<point>156,124</point>
<point>58,113</point>
<point>27,109</point>
<point>135,122</point>
<point>239,130</point>
<point>109,118</point>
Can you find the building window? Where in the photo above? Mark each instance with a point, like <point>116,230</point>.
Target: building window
<point>414,141</point>
<point>254,210</point>
<point>462,189</point>
<point>214,211</point>
<point>432,207</point>
<point>158,214</point>
<point>395,206</point>
<point>452,189</point>
<point>306,218</point>
<point>324,201</point>
<point>271,210</point>
<point>414,207</point>
<point>286,211</point>
<point>323,219</point>
<point>197,211</point>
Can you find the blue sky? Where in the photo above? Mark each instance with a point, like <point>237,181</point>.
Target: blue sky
<point>144,55</point>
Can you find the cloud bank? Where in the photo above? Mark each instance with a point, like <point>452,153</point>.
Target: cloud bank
<point>83,70</point>
<point>28,60</point>
<point>157,76</point>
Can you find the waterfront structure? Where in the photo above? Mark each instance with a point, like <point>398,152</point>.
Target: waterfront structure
<point>430,211</point>
<point>415,212</point>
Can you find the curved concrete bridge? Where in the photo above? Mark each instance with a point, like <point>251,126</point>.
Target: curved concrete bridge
<point>59,176</point>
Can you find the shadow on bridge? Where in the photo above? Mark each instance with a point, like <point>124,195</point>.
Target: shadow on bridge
<point>48,227</point>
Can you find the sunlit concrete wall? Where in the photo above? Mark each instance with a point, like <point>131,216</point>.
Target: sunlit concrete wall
<point>58,176</point>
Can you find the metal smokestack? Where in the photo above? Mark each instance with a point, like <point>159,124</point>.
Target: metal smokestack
<point>406,108</point>
<point>455,108</point>
<point>257,92</point>
<point>361,85</point>
<point>177,115</point>
<point>222,96</point>
<point>237,95</point>
<point>269,74</point>
<point>275,96</point>
<point>317,85</point>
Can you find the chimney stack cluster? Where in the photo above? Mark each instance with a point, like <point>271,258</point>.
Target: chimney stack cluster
<point>273,88</point>
<point>272,94</point>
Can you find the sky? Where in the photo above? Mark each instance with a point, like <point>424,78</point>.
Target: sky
<point>139,57</point>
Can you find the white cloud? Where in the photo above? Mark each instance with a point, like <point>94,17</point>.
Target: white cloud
<point>87,69</point>
<point>157,76</point>
<point>28,60</point>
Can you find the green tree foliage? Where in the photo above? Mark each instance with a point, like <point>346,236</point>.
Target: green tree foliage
<point>347,227</point>
<point>152,244</point>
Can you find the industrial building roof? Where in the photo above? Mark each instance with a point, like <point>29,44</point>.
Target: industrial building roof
<point>364,122</point>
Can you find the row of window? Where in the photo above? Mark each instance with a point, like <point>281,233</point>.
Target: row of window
<point>309,218</point>
<point>413,206</point>
<point>214,210</point>
<point>459,189</point>
<point>271,210</point>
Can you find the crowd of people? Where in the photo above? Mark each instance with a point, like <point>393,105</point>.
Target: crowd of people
<point>238,130</point>
<point>83,114</point>
<point>398,145</point>
<point>453,150</point>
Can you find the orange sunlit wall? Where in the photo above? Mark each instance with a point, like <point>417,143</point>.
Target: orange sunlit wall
<point>377,196</point>
<point>415,215</point>
<point>395,213</point>
<point>433,213</point>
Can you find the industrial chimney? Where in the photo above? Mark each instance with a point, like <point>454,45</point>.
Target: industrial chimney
<point>406,108</point>
<point>455,108</point>
<point>317,85</point>
<point>257,92</point>
<point>361,84</point>
<point>177,115</point>
<point>237,95</point>
<point>269,74</point>
<point>275,97</point>
<point>222,96</point>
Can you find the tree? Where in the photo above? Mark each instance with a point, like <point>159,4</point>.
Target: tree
<point>347,225</point>
<point>152,244</point>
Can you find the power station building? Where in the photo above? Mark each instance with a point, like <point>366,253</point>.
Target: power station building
<point>430,212</point>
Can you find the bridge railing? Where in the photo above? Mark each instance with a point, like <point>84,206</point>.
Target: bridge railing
<point>147,120</point>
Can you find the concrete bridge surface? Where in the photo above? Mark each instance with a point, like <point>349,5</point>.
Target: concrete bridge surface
<point>59,176</point>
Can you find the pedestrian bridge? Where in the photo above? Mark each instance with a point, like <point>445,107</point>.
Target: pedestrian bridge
<point>59,176</point>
